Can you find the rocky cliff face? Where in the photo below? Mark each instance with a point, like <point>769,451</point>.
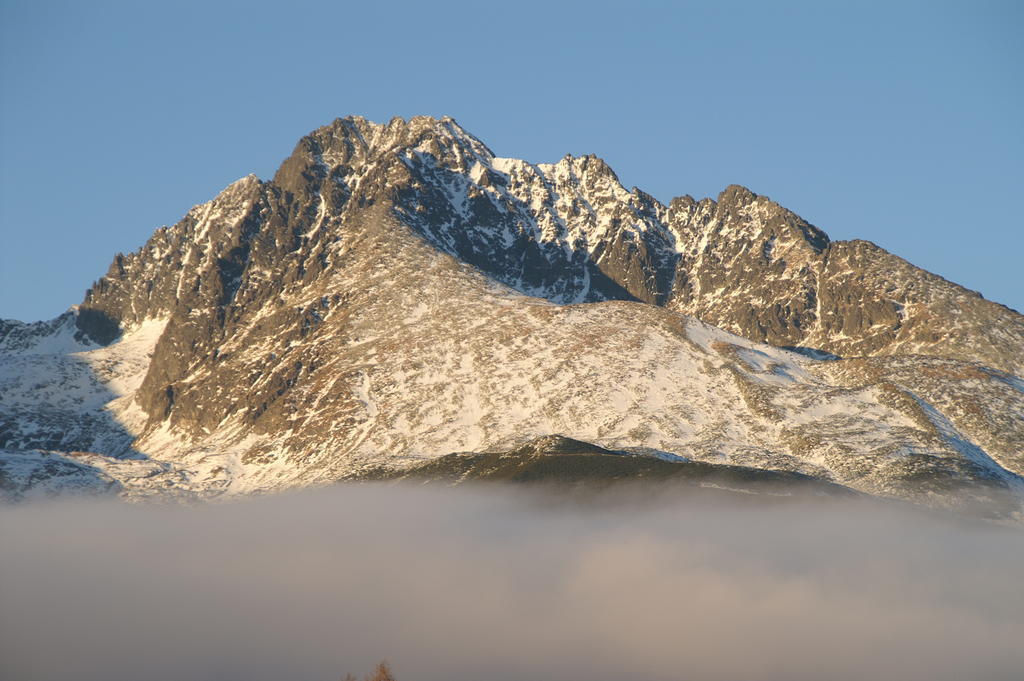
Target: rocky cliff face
<point>398,292</point>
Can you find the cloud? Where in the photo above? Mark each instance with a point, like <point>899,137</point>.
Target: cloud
<point>492,583</point>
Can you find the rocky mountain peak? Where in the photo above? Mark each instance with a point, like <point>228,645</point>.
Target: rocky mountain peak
<point>566,231</point>
<point>736,195</point>
<point>766,218</point>
<point>398,292</point>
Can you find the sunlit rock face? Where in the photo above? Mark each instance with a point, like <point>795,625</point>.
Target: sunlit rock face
<point>397,293</point>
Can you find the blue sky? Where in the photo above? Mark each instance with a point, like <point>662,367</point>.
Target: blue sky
<point>900,123</point>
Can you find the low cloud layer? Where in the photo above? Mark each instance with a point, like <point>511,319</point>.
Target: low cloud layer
<point>493,584</point>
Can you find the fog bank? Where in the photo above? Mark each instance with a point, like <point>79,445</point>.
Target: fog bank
<point>495,584</point>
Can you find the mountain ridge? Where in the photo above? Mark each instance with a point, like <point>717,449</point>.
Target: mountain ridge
<point>809,298</point>
<point>397,292</point>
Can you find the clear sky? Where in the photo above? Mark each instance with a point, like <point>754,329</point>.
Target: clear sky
<point>897,122</point>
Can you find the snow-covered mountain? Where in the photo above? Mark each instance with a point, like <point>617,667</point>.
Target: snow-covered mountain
<point>397,293</point>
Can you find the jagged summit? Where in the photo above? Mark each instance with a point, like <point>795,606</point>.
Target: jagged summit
<point>352,140</point>
<point>398,292</point>
<point>570,232</point>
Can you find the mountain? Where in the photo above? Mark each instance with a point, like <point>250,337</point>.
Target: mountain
<point>397,293</point>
